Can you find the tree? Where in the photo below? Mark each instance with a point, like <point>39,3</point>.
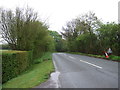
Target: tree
<point>109,37</point>
<point>83,43</point>
<point>16,25</point>
<point>24,31</point>
<point>60,44</point>
<point>85,24</point>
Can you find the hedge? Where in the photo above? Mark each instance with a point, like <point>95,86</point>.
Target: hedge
<point>14,63</point>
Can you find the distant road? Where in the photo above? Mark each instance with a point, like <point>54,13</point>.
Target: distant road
<point>78,71</point>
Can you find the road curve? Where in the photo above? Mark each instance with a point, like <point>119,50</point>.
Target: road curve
<point>78,71</point>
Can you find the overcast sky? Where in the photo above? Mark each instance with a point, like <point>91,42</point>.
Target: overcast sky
<point>58,12</point>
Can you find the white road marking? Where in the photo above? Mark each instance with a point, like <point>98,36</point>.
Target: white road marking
<point>60,53</point>
<point>91,64</point>
<point>71,57</point>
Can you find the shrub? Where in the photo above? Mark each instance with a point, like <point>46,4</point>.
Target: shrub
<point>45,56</point>
<point>5,46</point>
<point>14,63</point>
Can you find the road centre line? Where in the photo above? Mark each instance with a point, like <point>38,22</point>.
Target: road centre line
<point>91,64</point>
<point>71,57</point>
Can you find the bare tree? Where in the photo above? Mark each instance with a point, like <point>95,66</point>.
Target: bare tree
<point>13,24</point>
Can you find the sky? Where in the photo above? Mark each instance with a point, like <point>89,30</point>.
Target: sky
<point>57,12</point>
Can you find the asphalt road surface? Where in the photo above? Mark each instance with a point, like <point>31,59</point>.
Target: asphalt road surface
<point>78,71</point>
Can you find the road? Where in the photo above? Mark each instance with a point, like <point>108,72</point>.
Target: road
<point>78,71</point>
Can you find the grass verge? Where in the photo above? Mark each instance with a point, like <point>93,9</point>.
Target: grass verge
<point>111,57</point>
<point>36,75</point>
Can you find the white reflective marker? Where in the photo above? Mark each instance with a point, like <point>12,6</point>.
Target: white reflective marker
<point>91,64</point>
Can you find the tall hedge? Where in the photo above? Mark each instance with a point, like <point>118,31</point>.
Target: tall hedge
<point>14,63</point>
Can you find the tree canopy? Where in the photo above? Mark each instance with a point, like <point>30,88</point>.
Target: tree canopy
<point>88,34</point>
<point>24,31</point>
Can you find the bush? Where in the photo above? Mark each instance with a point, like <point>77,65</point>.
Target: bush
<point>4,46</point>
<point>14,63</point>
<point>45,56</point>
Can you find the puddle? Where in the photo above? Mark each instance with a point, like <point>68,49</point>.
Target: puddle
<point>53,82</point>
<point>54,78</point>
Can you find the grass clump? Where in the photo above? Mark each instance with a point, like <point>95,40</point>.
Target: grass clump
<point>113,57</point>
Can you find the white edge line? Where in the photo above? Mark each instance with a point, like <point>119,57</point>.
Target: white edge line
<point>91,64</point>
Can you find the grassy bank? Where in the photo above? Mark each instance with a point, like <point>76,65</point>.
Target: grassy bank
<point>111,57</point>
<point>37,74</point>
